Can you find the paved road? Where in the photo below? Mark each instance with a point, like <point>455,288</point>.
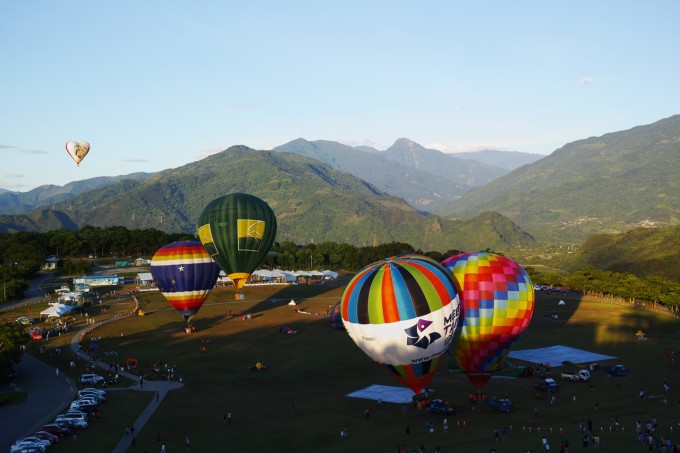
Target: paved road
<point>48,394</point>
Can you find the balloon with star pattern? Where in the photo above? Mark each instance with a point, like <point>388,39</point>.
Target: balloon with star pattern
<point>184,273</point>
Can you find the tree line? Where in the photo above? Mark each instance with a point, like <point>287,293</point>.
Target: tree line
<point>24,253</point>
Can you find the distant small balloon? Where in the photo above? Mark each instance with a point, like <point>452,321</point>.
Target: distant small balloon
<point>77,150</point>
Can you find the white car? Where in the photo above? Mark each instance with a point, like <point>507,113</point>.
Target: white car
<point>92,379</point>
<point>36,440</point>
<point>21,447</point>
<point>73,423</point>
<point>83,402</point>
<point>93,390</point>
<point>91,394</point>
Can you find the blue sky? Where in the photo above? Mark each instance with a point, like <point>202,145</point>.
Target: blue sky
<point>159,84</point>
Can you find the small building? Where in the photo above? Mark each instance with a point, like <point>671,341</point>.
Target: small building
<point>139,262</point>
<point>90,281</point>
<point>50,263</point>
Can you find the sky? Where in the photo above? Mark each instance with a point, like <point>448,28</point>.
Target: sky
<point>157,84</point>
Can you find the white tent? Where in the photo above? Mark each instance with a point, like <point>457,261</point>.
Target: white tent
<point>56,311</point>
<point>330,275</point>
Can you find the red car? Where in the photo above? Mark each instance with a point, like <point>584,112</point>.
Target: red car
<point>56,429</point>
<point>45,435</point>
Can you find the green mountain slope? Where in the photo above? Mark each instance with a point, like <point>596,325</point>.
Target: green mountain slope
<point>641,251</point>
<point>603,184</point>
<point>25,202</point>
<point>312,201</point>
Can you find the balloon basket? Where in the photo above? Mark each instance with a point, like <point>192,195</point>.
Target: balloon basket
<point>239,296</point>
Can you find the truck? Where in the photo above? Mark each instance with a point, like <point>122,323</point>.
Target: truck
<point>576,376</point>
<point>547,385</point>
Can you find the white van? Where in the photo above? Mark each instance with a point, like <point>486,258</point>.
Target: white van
<point>72,416</point>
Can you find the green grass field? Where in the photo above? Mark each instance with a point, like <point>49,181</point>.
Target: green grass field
<point>313,371</point>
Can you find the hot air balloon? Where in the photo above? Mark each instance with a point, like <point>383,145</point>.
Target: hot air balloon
<point>77,151</point>
<point>402,312</point>
<point>335,319</point>
<point>185,274</point>
<point>238,231</point>
<point>498,301</point>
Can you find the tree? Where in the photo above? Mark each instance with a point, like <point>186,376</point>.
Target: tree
<point>13,341</point>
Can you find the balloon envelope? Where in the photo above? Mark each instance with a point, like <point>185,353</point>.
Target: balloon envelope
<point>77,151</point>
<point>185,274</point>
<point>402,312</point>
<point>498,302</point>
<point>238,231</point>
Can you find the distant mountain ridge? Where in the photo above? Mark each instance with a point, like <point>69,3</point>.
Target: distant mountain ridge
<point>312,201</point>
<point>25,202</point>
<point>425,178</point>
<point>601,184</point>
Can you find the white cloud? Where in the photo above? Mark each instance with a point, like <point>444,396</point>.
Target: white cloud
<point>32,151</point>
<point>9,182</point>
<point>7,147</point>
<point>589,80</point>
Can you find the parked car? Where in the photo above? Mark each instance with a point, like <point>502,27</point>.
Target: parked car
<point>75,404</point>
<point>99,397</point>
<point>101,392</point>
<point>25,320</point>
<point>91,379</point>
<point>617,370</point>
<point>57,429</point>
<point>35,440</point>
<point>547,385</point>
<point>26,447</point>
<point>46,436</point>
<point>499,404</point>
<point>72,416</point>
<point>72,423</point>
<point>440,406</point>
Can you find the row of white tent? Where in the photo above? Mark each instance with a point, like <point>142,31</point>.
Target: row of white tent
<point>265,274</point>
<point>292,276</point>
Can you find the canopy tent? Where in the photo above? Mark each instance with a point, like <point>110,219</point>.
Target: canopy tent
<point>144,281</point>
<point>329,275</point>
<point>56,311</point>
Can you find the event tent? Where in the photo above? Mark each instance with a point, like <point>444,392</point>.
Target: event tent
<point>56,311</point>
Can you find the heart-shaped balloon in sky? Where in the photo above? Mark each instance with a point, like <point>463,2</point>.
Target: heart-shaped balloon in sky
<point>77,150</point>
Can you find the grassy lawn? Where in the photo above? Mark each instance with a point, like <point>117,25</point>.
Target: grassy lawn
<point>313,371</point>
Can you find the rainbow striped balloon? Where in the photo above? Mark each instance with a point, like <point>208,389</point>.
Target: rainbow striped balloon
<point>498,302</point>
<point>184,273</point>
<point>402,312</point>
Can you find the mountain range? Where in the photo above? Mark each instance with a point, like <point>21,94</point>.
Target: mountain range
<point>312,201</point>
<point>607,184</point>
<point>326,191</point>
